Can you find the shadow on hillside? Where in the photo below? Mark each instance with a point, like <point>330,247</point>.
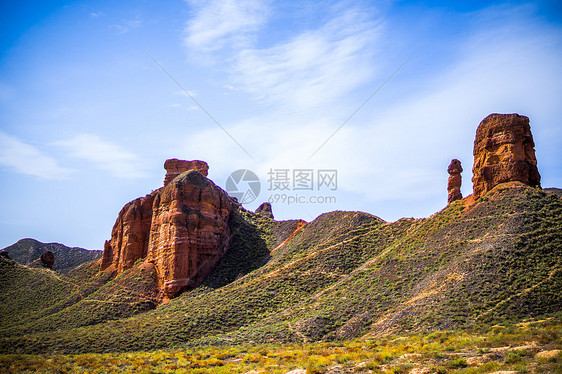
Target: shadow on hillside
<point>247,252</point>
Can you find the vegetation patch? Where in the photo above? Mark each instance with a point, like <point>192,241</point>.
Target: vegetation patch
<point>525,347</point>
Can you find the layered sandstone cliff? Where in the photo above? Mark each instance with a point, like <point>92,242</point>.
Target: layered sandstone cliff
<point>504,151</point>
<point>181,228</point>
<point>189,231</point>
<point>130,235</point>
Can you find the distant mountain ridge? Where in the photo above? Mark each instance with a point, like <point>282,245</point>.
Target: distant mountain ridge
<point>26,251</point>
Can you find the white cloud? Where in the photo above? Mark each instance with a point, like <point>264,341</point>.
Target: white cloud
<point>315,67</point>
<point>401,152</point>
<point>503,68</point>
<point>188,108</point>
<point>307,68</point>
<point>187,93</point>
<point>395,150</point>
<point>104,155</point>
<point>26,159</point>
<point>224,22</point>
<point>128,26</point>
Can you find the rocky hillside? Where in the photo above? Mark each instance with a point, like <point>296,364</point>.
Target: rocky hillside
<point>26,251</point>
<point>187,265</point>
<point>344,275</point>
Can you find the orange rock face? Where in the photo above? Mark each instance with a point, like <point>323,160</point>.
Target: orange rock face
<point>130,234</point>
<point>504,151</point>
<point>181,228</point>
<point>455,181</point>
<point>175,167</point>
<point>189,231</point>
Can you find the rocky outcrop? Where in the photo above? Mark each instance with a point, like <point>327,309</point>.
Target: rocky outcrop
<point>175,167</point>
<point>265,210</point>
<point>130,235</point>
<point>503,152</point>
<point>47,259</point>
<point>182,229</point>
<point>189,231</point>
<point>455,181</point>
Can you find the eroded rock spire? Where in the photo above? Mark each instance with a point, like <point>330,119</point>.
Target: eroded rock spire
<point>455,181</point>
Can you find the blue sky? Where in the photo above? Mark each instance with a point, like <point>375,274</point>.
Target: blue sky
<point>90,105</point>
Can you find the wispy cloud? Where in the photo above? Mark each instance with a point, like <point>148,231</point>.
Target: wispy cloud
<point>218,23</point>
<point>26,159</point>
<point>304,70</point>
<point>312,68</point>
<point>104,155</point>
<point>438,122</point>
<point>187,93</point>
<point>128,25</point>
<point>399,150</point>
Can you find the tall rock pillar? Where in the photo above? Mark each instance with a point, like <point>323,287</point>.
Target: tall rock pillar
<point>504,151</point>
<point>455,181</point>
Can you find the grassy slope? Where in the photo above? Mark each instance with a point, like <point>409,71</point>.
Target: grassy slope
<point>501,259</point>
<point>530,347</point>
<point>41,300</point>
<point>349,274</point>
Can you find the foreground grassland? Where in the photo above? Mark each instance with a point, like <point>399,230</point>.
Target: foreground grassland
<point>529,347</point>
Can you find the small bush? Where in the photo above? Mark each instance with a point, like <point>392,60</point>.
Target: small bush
<point>514,357</point>
<point>314,370</point>
<point>457,363</point>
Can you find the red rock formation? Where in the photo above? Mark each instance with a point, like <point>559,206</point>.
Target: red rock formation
<point>130,234</point>
<point>455,181</point>
<point>189,231</point>
<point>181,228</point>
<point>265,210</point>
<point>175,167</point>
<point>503,152</point>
